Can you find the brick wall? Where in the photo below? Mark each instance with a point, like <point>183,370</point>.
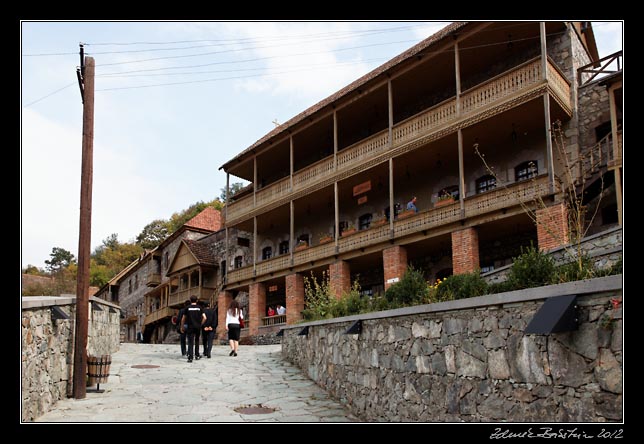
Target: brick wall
<point>465,250</point>
<point>340,278</point>
<point>223,301</point>
<point>552,226</point>
<point>294,297</point>
<point>394,261</point>
<point>256,306</point>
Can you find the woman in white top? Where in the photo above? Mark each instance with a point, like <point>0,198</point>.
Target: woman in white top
<point>233,314</point>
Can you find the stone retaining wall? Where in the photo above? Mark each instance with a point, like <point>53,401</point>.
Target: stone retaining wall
<point>469,360</point>
<point>48,348</point>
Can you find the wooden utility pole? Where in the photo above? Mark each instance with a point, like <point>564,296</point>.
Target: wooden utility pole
<point>86,81</point>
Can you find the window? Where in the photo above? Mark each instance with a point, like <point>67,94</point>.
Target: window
<point>487,268</point>
<point>485,183</point>
<point>129,286</point>
<point>223,268</point>
<point>243,242</point>
<point>238,261</point>
<point>166,261</point>
<point>267,253</point>
<point>609,214</point>
<point>364,221</point>
<point>525,170</point>
<point>449,191</point>
<point>284,246</point>
<point>136,281</point>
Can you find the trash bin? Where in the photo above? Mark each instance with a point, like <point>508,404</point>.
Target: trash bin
<point>98,370</point>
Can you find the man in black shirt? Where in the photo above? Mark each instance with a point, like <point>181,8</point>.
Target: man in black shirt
<point>194,317</point>
<point>209,328</point>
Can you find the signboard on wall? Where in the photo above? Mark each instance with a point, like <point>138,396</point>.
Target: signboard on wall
<point>362,200</point>
<point>393,280</point>
<point>362,188</point>
<point>272,288</point>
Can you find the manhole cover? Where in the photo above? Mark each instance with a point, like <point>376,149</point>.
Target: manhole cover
<point>254,410</point>
<point>145,366</point>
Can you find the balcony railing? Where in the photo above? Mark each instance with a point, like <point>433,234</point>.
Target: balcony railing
<point>165,312</point>
<point>514,194</point>
<point>274,320</point>
<point>181,296</point>
<point>490,93</point>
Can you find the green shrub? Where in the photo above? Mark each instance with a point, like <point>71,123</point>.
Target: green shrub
<point>379,303</point>
<point>410,290</point>
<point>501,287</point>
<point>576,270</point>
<point>461,286</point>
<point>532,268</point>
<point>317,298</point>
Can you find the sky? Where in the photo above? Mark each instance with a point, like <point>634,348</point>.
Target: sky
<point>174,101</point>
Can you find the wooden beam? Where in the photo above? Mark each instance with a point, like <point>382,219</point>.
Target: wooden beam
<point>461,172</point>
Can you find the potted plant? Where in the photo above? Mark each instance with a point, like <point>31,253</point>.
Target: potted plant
<point>349,229</point>
<point>325,237</point>
<point>301,245</point>
<point>406,213</point>
<point>378,220</point>
<point>444,199</point>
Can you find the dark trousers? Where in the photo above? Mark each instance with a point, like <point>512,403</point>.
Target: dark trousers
<point>182,340</point>
<point>197,335</point>
<point>208,336</point>
<point>193,342</point>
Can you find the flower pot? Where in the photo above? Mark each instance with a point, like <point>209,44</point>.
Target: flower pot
<point>301,247</point>
<point>325,240</point>
<point>406,213</point>
<point>443,202</point>
<point>379,223</point>
<point>348,232</point>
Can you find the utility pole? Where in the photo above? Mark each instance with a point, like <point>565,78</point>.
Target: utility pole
<point>85,76</point>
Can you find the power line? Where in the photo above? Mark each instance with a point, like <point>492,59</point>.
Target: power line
<point>49,95</point>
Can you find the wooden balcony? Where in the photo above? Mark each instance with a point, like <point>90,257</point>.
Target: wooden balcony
<point>512,195</point>
<point>515,86</point>
<point>274,320</point>
<point>178,298</point>
<point>153,279</point>
<point>162,313</point>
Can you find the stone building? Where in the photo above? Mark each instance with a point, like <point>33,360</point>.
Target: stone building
<point>151,289</point>
<point>329,188</point>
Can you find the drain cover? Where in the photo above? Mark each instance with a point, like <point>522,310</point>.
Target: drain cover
<point>145,366</point>
<point>254,410</point>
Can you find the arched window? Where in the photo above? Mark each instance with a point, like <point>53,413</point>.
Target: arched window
<point>449,191</point>
<point>364,221</point>
<point>526,170</point>
<point>485,183</point>
<point>284,246</point>
<point>267,253</point>
<point>238,261</point>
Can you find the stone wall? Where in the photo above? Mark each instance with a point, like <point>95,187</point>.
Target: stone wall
<point>604,248</point>
<point>469,360</point>
<point>48,348</point>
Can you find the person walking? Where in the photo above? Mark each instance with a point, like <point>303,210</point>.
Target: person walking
<point>181,328</point>
<point>233,314</point>
<point>194,318</point>
<point>208,330</point>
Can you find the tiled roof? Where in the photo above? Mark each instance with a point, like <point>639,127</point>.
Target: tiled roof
<point>208,219</point>
<point>414,50</point>
<point>201,252</point>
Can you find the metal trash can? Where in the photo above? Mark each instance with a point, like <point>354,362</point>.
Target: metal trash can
<point>98,370</point>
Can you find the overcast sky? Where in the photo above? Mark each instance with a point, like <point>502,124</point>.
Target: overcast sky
<point>157,149</point>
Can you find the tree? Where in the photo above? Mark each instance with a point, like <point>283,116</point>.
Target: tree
<point>60,259</point>
<point>153,234</point>
<point>32,269</point>
<point>234,188</point>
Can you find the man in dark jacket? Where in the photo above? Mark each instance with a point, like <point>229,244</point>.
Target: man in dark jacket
<point>181,329</point>
<point>208,330</point>
<point>194,318</point>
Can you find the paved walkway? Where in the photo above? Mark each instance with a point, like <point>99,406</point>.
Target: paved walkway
<point>207,390</point>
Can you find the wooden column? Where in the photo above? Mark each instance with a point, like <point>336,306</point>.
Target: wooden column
<point>254,181</point>
<point>392,211</point>
<point>461,172</point>
<point>254,244</point>
<point>336,215</point>
<point>224,272</point>
<point>549,156</point>
<point>292,230</point>
<point>390,107</point>
<point>457,74</point>
<point>544,50</point>
<point>290,150</point>
<point>616,153</point>
<point>335,140</point>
